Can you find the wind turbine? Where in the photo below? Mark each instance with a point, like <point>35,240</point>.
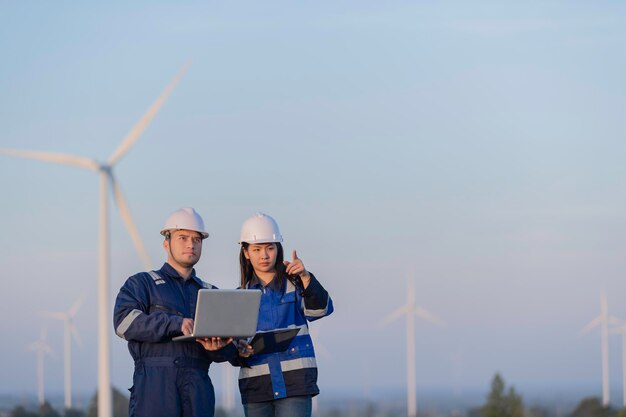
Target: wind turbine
<point>314,333</point>
<point>69,331</point>
<point>228,391</point>
<point>603,321</point>
<point>41,348</point>
<point>105,170</point>
<point>622,330</point>
<point>410,310</point>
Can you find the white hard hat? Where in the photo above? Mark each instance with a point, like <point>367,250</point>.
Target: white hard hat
<point>186,218</point>
<point>260,228</point>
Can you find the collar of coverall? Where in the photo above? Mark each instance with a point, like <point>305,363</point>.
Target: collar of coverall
<point>274,285</point>
<point>170,272</point>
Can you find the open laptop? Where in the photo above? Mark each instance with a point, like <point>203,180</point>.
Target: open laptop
<point>225,313</point>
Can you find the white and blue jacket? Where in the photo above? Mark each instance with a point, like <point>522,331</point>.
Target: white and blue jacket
<point>266,377</point>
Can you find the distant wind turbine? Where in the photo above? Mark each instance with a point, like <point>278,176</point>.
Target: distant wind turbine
<point>603,321</point>
<point>228,391</point>
<point>41,348</point>
<point>69,331</point>
<point>105,170</point>
<point>621,329</point>
<point>314,332</point>
<point>321,351</point>
<point>410,310</point>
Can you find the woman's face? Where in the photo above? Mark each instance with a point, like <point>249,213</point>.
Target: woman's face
<point>262,256</point>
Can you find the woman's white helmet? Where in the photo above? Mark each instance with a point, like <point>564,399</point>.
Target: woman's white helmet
<point>186,218</point>
<point>260,228</point>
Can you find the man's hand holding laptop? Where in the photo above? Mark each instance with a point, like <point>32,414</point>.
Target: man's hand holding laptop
<point>213,343</point>
<point>209,343</point>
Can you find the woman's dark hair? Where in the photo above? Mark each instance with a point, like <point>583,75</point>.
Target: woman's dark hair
<point>247,270</point>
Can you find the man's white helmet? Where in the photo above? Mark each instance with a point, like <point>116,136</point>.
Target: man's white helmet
<point>260,228</point>
<point>186,218</point>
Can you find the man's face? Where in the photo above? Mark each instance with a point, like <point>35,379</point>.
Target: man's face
<point>184,248</point>
<point>262,256</point>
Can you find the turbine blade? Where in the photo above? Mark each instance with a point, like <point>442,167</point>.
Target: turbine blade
<point>396,314</point>
<point>77,304</point>
<point>593,323</point>
<point>319,347</point>
<point>428,316</point>
<point>614,321</point>
<point>120,201</point>
<point>138,129</point>
<point>76,335</point>
<point>48,350</point>
<point>314,332</point>
<point>57,158</point>
<point>54,315</point>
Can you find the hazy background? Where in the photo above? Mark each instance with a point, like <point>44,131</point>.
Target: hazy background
<point>479,144</point>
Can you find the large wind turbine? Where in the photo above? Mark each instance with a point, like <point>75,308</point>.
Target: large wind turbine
<point>603,321</point>
<point>41,348</point>
<point>105,170</point>
<point>410,310</point>
<point>69,331</point>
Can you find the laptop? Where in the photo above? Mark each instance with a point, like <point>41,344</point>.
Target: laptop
<point>225,313</point>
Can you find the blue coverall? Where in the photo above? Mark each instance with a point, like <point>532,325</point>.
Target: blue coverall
<point>171,378</point>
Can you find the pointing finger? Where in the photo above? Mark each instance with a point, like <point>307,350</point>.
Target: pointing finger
<point>294,255</point>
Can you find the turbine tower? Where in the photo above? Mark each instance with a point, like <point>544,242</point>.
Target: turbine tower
<point>105,170</point>
<point>228,390</point>
<point>622,330</point>
<point>603,321</point>
<point>320,351</point>
<point>410,310</point>
<point>69,331</point>
<point>41,348</point>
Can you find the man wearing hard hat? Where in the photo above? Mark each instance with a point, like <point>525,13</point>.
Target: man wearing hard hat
<point>170,378</point>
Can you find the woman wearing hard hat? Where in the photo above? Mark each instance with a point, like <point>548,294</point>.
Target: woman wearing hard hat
<point>279,384</point>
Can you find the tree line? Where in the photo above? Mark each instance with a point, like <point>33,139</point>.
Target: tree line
<point>501,401</point>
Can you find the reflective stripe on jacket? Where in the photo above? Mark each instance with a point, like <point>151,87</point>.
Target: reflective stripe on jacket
<point>149,311</point>
<point>272,376</point>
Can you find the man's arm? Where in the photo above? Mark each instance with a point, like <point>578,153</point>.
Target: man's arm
<point>134,322</point>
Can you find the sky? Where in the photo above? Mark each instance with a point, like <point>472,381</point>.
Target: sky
<point>477,147</point>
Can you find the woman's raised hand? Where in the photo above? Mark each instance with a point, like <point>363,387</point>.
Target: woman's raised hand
<point>296,267</point>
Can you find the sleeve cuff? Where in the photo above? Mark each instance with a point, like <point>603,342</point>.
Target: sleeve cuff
<point>175,326</point>
<point>313,288</point>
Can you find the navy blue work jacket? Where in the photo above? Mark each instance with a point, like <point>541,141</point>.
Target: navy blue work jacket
<point>149,311</point>
<point>266,377</point>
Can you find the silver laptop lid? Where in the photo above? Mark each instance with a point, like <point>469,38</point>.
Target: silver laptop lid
<point>225,313</point>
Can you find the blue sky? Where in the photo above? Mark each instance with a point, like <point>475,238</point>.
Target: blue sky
<point>478,144</point>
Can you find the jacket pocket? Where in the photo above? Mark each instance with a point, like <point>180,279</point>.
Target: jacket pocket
<point>166,309</point>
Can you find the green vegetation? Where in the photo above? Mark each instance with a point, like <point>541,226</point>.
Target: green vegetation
<point>592,407</point>
<point>502,403</point>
